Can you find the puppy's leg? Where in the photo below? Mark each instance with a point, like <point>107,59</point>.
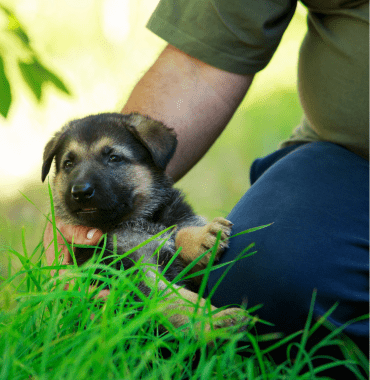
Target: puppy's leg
<point>178,307</point>
<point>196,240</point>
<point>181,308</point>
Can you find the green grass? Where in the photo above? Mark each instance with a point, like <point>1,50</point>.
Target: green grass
<point>50,332</point>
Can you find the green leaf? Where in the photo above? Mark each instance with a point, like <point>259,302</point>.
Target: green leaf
<point>15,27</point>
<point>57,82</point>
<point>5,93</point>
<point>33,77</point>
<point>21,34</point>
<point>36,74</point>
<point>49,76</point>
<point>6,10</point>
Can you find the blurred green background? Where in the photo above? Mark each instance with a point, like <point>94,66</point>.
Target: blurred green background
<point>100,49</point>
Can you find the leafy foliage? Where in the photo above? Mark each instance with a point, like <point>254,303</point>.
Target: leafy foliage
<point>34,73</point>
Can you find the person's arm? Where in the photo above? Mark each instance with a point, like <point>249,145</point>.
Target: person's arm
<point>194,98</point>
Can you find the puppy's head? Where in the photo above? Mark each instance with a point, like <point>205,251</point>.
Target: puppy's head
<point>108,168</point>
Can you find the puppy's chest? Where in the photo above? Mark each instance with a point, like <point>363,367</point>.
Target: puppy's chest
<point>138,239</point>
<point>137,244</point>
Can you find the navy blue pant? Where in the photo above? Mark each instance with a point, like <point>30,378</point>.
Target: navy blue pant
<point>317,196</point>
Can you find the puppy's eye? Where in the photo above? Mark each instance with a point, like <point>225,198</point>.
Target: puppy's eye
<point>115,158</point>
<point>67,164</point>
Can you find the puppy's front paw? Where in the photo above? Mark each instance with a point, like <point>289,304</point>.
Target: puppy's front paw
<point>209,235</point>
<point>226,324</point>
<point>233,317</point>
<point>197,240</point>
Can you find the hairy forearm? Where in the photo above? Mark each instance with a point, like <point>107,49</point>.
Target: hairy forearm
<point>194,98</point>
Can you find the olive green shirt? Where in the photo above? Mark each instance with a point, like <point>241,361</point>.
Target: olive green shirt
<point>241,36</point>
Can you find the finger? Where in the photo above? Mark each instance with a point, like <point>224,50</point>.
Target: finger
<point>78,234</point>
<point>81,234</point>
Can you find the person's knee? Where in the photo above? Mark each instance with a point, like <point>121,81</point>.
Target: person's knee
<point>316,198</point>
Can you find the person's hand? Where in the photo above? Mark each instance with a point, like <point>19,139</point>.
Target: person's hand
<point>79,235</point>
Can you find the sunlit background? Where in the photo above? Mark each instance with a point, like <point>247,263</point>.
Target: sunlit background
<point>101,49</point>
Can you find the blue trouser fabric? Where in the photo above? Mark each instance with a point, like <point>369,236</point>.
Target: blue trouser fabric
<point>317,196</point>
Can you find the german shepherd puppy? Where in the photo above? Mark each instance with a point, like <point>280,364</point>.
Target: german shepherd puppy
<point>110,174</point>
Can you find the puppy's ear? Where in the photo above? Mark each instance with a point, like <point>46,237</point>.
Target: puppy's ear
<point>50,151</point>
<point>158,139</point>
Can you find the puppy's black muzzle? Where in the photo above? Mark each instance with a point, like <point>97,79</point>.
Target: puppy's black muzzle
<point>96,200</point>
<point>82,192</point>
<point>83,200</point>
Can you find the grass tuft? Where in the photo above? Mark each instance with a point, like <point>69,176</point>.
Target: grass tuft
<point>51,331</point>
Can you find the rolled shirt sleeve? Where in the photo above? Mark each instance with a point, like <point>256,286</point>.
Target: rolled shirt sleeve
<point>236,36</point>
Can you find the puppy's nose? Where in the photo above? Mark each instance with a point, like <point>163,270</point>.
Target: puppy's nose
<point>83,191</point>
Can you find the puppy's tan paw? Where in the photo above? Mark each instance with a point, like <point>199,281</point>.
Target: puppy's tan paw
<point>233,317</point>
<point>209,236</point>
<point>226,324</point>
<point>197,240</point>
